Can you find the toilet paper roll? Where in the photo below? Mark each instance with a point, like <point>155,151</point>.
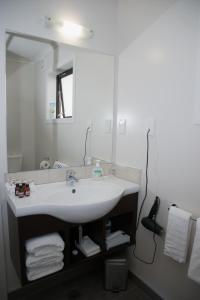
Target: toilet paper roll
<point>45,164</point>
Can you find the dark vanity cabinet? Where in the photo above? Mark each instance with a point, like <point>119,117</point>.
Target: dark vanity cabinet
<point>122,217</point>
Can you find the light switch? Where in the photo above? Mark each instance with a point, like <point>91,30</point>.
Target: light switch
<point>122,126</point>
<point>108,126</point>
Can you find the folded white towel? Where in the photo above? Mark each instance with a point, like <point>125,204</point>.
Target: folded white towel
<point>36,273</point>
<point>44,260</point>
<point>88,247</point>
<point>177,236</point>
<point>45,244</point>
<point>194,267</point>
<point>117,240</point>
<point>114,235</point>
<point>59,165</point>
<point>88,253</point>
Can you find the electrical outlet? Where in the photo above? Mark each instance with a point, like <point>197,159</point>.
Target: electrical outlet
<point>89,125</point>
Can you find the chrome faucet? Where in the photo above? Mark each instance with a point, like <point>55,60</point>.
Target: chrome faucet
<point>70,177</point>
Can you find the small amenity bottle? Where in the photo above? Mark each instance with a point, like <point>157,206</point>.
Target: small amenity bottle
<point>27,190</point>
<point>21,191</point>
<point>97,171</point>
<point>17,189</point>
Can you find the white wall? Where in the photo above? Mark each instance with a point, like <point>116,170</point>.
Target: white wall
<point>157,79</point>
<point>3,165</point>
<point>134,17</point>
<point>27,17</point>
<point>20,88</point>
<point>93,101</point>
<point>94,97</point>
<point>197,86</point>
<point>13,108</point>
<point>44,138</point>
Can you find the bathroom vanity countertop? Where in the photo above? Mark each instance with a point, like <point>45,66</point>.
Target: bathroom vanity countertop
<point>128,186</point>
<point>93,199</point>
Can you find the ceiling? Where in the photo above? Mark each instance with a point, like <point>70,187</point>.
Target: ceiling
<point>24,48</point>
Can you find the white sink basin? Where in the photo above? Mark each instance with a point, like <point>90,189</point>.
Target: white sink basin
<point>92,199</point>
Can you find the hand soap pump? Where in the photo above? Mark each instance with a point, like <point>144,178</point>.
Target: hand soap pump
<point>97,171</point>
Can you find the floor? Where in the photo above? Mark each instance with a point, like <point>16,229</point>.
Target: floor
<point>89,287</point>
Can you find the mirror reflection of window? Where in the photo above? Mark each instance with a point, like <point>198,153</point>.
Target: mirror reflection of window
<point>64,94</point>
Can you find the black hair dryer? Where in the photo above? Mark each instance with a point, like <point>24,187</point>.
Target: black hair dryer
<point>149,222</point>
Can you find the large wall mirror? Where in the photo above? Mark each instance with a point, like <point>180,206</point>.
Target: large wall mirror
<point>59,104</point>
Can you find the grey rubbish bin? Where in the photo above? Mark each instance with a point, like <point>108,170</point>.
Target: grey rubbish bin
<point>116,274</point>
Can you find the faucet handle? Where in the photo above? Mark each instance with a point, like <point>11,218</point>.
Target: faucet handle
<point>70,172</point>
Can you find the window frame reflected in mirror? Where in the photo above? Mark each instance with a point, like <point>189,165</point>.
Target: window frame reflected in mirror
<point>62,104</point>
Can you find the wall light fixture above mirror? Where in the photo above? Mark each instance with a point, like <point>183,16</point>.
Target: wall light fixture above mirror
<point>70,30</point>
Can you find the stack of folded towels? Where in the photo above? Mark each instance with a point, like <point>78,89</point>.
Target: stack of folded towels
<point>117,238</point>
<point>44,255</point>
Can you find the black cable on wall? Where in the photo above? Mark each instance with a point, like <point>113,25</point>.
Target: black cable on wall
<point>141,209</point>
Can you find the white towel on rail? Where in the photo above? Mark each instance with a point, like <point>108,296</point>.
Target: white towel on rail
<point>177,235</point>
<point>43,260</point>
<point>39,272</point>
<point>45,244</point>
<point>194,266</point>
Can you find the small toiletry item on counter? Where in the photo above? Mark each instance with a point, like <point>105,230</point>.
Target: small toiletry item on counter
<point>24,187</point>
<point>21,191</point>
<point>97,171</point>
<point>17,189</point>
<point>27,190</point>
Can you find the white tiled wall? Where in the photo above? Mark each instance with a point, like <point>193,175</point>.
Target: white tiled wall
<point>56,175</point>
<point>128,173</point>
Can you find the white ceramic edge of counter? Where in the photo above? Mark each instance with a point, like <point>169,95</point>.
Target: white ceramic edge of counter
<point>127,186</point>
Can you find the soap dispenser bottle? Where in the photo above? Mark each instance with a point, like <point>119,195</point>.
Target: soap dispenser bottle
<point>97,171</point>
